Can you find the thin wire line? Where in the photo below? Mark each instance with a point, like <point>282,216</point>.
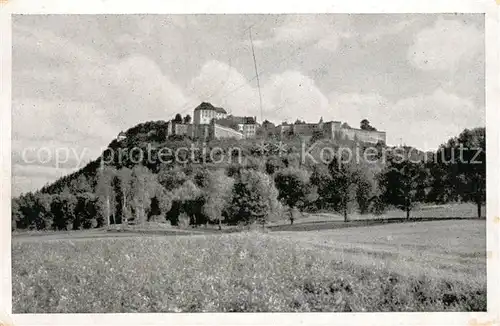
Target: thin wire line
<point>185,107</point>
<point>245,83</point>
<point>256,72</point>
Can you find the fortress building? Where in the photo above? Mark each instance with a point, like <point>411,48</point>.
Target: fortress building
<point>210,122</point>
<point>247,126</point>
<point>205,112</point>
<point>121,136</point>
<point>330,130</point>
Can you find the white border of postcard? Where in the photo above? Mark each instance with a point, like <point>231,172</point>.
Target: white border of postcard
<point>492,40</point>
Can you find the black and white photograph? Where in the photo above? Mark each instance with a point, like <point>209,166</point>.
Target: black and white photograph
<point>252,163</point>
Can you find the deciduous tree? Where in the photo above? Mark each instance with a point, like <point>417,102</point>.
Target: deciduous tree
<point>218,194</point>
<point>465,161</point>
<point>345,177</point>
<point>106,194</point>
<point>293,188</point>
<point>254,197</point>
<point>404,182</point>
<point>125,191</point>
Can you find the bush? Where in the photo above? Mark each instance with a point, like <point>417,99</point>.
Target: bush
<point>158,219</point>
<point>184,220</point>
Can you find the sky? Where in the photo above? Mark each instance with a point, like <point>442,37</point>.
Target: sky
<point>78,80</point>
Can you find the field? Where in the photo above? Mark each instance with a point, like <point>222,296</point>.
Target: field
<point>423,266</point>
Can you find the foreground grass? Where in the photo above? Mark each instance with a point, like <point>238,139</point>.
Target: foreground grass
<point>234,272</point>
<point>440,249</point>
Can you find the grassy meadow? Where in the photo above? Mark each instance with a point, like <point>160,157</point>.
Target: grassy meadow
<point>424,266</point>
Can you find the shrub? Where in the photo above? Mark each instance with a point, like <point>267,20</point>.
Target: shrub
<point>158,219</point>
<point>184,220</point>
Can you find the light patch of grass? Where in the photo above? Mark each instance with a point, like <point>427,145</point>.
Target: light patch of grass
<point>442,249</point>
<point>248,271</point>
<point>454,210</point>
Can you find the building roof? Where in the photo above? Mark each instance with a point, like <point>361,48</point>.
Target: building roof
<point>220,110</point>
<point>209,106</point>
<point>227,122</point>
<point>243,120</point>
<point>268,123</point>
<point>248,120</point>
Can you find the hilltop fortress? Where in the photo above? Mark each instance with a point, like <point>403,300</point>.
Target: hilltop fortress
<point>210,122</point>
<point>330,130</point>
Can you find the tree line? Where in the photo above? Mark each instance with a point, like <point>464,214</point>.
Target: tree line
<point>264,187</point>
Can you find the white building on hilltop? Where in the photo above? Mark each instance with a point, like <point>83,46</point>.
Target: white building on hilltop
<point>205,112</point>
<point>121,136</point>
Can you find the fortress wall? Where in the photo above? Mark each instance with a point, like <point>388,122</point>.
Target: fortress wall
<point>330,127</point>
<point>305,129</point>
<point>181,129</point>
<point>364,135</point>
<point>219,131</point>
<point>200,131</point>
<point>283,129</point>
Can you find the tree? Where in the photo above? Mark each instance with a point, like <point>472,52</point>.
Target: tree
<point>106,194</point>
<point>188,190</point>
<point>163,199</point>
<point>171,179</point>
<point>186,199</point>
<point>35,210</point>
<point>292,160</point>
<point>143,188</point>
<point>404,182</point>
<point>187,119</point>
<point>178,118</point>
<point>201,178</point>
<point>62,208</point>
<point>321,178</point>
<point>345,126</point>
<point>20,212</point>
<point>293,188</point>
<point>365,125</point>
<point>317,135</point>
<point>368,193</point>
<point>81,184</point>
<point>273,164</point>
<point>125,193</point>
<point>254,197</point>
<point>218,195</point>
<point>345,176</point>
<point>465,163</point>
<point>364,192</point>
<point>87,212</point>
<point>442,185</point>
